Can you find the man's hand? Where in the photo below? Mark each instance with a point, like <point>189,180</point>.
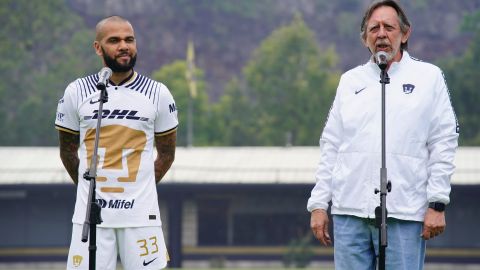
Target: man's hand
<point>434,224</point>
<point>319,225</point>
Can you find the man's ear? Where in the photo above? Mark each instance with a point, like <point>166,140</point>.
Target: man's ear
<point>406,35</point>
<point>364,42</point>
<point>97,47</point>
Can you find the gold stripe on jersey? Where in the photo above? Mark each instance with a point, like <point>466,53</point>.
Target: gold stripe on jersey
<point>131,79</point>
<point>125,81</point>
<point>67,130</point>
<point>112,189</point>
<point>166,132</point>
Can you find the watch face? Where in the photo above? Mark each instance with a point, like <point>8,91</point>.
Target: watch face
<point>437,206</point>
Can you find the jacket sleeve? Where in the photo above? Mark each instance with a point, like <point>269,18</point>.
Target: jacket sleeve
<point>329,145</point>
<point>442,144</point>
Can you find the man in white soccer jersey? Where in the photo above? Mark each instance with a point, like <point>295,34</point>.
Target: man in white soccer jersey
<point>140,114</point>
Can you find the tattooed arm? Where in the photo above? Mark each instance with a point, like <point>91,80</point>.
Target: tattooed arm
<point>68,153</point>
<point>165,154</point>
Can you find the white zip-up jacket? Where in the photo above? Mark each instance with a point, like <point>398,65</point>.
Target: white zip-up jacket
<point>421,140</point>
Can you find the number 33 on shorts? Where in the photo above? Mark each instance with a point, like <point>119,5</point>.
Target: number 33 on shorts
<point>152,241</point>
<point>150,251</point>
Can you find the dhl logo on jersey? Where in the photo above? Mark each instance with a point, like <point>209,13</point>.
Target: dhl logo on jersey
<point>117,114</point>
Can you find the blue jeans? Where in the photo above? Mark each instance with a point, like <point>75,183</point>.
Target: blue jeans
<point>356,244</point>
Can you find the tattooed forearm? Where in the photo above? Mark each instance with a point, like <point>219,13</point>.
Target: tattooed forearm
<point>166,154</point>
<point>68,153</point>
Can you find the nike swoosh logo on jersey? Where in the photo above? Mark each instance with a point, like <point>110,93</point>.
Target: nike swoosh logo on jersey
<point>93,102</point>
<point>360,90</point>
<point>147,263</point>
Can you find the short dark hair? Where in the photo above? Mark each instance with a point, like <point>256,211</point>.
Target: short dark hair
<point>402,18</point>
<point>114,18</point>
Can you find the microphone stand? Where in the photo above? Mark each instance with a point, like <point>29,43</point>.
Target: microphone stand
<point>385,185</point>
<point>93,216</point>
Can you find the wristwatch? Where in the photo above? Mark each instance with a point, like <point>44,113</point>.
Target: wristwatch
<point>437,206</point>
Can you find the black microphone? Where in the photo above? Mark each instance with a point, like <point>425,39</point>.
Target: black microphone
<point>103,77</point>
<point>381,58</point>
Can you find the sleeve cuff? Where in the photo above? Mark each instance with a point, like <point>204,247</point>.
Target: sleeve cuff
<point>163,133</point>
<point>67,130</point>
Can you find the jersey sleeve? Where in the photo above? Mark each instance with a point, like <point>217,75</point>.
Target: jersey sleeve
<point>67,118</point>
<point>166,119</point>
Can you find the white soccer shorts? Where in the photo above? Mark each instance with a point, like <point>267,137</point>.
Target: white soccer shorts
<point>138,247</point>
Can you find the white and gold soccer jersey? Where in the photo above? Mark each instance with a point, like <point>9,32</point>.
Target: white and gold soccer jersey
<point>136,111</point>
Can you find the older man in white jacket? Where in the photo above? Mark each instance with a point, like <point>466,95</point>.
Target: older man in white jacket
<point>421,140</point>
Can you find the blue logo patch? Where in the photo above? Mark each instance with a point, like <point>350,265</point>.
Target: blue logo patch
<point>408,88</point>
<point>60,116</point>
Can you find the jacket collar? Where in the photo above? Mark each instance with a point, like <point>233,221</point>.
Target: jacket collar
<point>393,67</point>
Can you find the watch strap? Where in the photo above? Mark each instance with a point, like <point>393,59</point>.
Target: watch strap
<point>437,206</point>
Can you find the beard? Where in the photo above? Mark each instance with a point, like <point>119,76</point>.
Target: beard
<point>390,53</point>
<point>116,66</point>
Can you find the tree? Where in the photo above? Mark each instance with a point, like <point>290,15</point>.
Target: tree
<point>173,76</point>
<point>234,122</point>
<point>292,82</point>
<point>43,45</point>
<point>462,76</point>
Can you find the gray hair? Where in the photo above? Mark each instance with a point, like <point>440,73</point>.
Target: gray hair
<point>402,18</point>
